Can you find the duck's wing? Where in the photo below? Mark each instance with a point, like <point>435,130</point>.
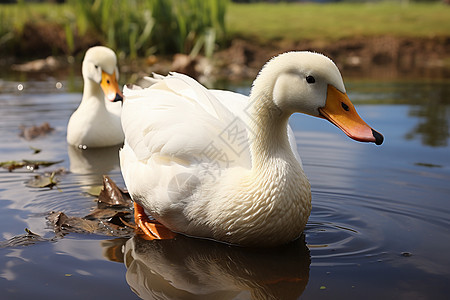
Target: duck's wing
<point>180,120</point>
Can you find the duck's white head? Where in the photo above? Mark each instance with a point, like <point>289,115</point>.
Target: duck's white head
<point>311,83</point>
<point>100,66</point>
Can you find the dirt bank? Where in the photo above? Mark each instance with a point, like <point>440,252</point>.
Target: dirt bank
<point>369,57</point>
<point>378,57</point>
<point>381,57</point>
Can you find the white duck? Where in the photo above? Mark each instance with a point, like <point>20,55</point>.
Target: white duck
<point>219,165</point>
<point>96,122</point>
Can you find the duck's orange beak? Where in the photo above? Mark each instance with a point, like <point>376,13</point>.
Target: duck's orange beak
<point>111,87</point>
<point>341,112</point>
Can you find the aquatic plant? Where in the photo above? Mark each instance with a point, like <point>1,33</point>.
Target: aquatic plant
<point>136,27</point>
<point>147,26</point>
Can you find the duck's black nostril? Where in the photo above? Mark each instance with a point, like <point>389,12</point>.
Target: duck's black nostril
<point>345,106</point>
<point>378,137</point>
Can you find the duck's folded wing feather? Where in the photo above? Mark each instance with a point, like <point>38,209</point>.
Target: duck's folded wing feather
<point>184,121</point>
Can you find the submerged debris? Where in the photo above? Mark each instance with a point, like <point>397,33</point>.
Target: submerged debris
<point>34,131</point>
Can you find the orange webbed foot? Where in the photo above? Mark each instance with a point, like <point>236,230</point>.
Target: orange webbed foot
<point>151,228</point>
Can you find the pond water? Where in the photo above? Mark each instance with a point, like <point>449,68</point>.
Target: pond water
<point>379,228</point>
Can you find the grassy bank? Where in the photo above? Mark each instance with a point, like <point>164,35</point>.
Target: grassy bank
<point>138,28</point>
<point>131,27</point>
<point>265,21</point>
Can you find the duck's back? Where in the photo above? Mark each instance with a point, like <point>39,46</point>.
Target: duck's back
<point>179,119</point>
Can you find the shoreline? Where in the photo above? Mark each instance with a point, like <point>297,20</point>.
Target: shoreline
<point>371,57</point>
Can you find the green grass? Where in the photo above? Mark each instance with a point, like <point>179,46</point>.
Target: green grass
<point>328,22</point>
<point>140,27</point>
<point>135,27</point>
<point>14,16</point>
<point>167,26</point>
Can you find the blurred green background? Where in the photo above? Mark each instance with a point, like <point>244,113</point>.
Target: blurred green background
<point>143,27</point>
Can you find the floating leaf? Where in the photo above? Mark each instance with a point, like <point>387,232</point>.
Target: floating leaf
<point>42,181</point>
<point>29,164</point>
<point>59,171</point>
<point>12,164</point>
<point>64,224</point>
<point>35,164</point>
<point>110,215</point>
<point>113,215</point>
<point>35,150</point>
<point>428,165</point>
<point>95,190</point>
<point>29,238</point>
<point>111,195</point>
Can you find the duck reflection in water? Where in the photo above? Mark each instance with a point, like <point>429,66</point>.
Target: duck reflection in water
<point>190,268</point>
<point>93,163</point>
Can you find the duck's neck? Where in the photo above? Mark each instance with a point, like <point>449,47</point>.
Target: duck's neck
<point>276,186</point>
<point>92,89</point>
<point>269,142</point>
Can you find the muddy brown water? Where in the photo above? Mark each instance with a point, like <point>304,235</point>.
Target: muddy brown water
<point>379,228</point>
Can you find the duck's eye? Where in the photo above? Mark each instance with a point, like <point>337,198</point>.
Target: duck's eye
<point>310,79</point>
<point>107,81</point>
<point>96,66</point>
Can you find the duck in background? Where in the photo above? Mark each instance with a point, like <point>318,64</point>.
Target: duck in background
<point>224,166</point>
<point>96,122</point>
